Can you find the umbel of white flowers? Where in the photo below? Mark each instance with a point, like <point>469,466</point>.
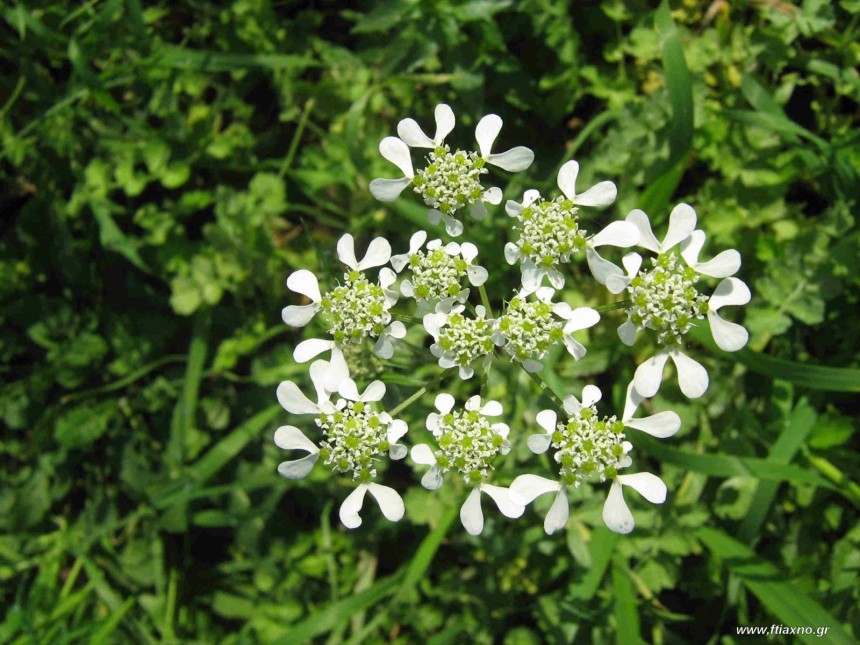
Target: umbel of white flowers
<point>431,286</point>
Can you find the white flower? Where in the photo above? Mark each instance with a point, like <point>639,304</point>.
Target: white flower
<point>460,341</point>
<point>549,231</point>
<point>451,180</point>
<point>437,275</point>
<point>682,221</point>
<point>468,443</point>
<point>326,377</point>
<point>354,435</point>
<point>665,299</point>
<point>355,310</point>
<point>588,447</point>
<point>528,329</point>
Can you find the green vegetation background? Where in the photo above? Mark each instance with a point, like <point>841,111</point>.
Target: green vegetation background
<point>166,165</point>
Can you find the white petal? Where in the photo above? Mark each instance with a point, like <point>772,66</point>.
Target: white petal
<point>567,175</point>
<point>322,381</point>
<point>627,333</point>
<point>722,266</point>
<point>532,276</point>
<point>620,234</point>
<point>649,375</point>
<point>453,226</point>
<point>397,451</point>
<point>468,250</point>
<point>293,400</point>
<point>412,134</point>
<point>513,160</point>
<point>407,289</point>
<point>466,372</point>
<point>616,515</point>
<point>571,405</point>
<point>730,291</point>
<point>526,488</point>
<point>417,241</point>
<point>396,330</point>
<point>486,132</point>
<point>692,246</point>
<point>387,277</point>
<point>351,506</point>
<point>298,468</point>
<point>305,283</point>
<point>692,377</point>
<point>291,438</point>
<point>378,253</point>
<point>646,237</point>
<point>632,263</point>
<point>444,402</point>
<point>649,486</point>
<point>616,282</point>
<point>387,190</point>
<point>556,279</point>
<point>434,217</point>
<point>422,454</point>
<point>581,318</point>
<point>335,372</point>
<point>556,518</point>
<point>729,336</point>
<point>374,392</point>
<point>383,347</point>
<point>478,210</point>
<point>390,502</point>
<point>433,323</point>
<point>574,347</point>
<point>474,403</point>
<point>600,268</point>
<point>660,425</point>
<point>502,498</point>
<point>539,443</point>
<point>311,347</point>
<point>470,513</point>
<point>397,152</point>
<point>591,394</point>
<point>491,409</point>
<point>513,208</point>
<point>603,194</point>
<point>444,122</point>
<point>547,420</point>
<point>346,251</point>
<point>477,275</point>
<point>349,390</point>
<point>299,315</point>
<point>492,195</point>
<point>432,479</point>
<point>396,429</point>
<point>682,222</point>
<point>632,401</point>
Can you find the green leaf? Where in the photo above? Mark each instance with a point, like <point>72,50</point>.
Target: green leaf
<point>112,238</point>
<point>679,83</point>
<point>796,429</point>
<point>328,618</point>
<point>785,601</point>
<point>84,424</point>
<point>731,466</point>
<point>626,613</point>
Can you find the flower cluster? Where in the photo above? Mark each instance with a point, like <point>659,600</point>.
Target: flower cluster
<point>664,297</point>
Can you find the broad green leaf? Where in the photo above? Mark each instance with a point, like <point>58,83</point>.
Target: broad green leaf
<point>787,603</point>
<point>625,610</point>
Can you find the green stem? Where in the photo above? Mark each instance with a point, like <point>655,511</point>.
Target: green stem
<point>294,144</point>
<point>621,304</point>
<point>427,388</point>
<point>835,475</point>
<point>126,380</point>
<point>486,302</point>
<point>536,377</point>
<point>415,320</point>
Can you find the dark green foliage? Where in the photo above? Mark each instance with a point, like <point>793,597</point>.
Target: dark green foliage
<point>165,166</point>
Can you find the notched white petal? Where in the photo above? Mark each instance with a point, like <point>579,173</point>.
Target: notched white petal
<point>556,518</point>
<point>305,283</point>
<point>298,468</point>
<point>649,375</point>
<point>351,506</point>
<point>486,132</point>
<point>397,152</point>
<point>471,515</point>
<point>600,195</point>
<point>616,515</point>
<point>299,315</point>
<point>649,486</point>
<point>502,497</point>
<point>513,160</point>
<point>692,377</point>
<point>412,134</point>
<point>526,488</point>
<point>539,443</point>
<point>682,222</point>
<point>387,190</point>
<point>389,500</point>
